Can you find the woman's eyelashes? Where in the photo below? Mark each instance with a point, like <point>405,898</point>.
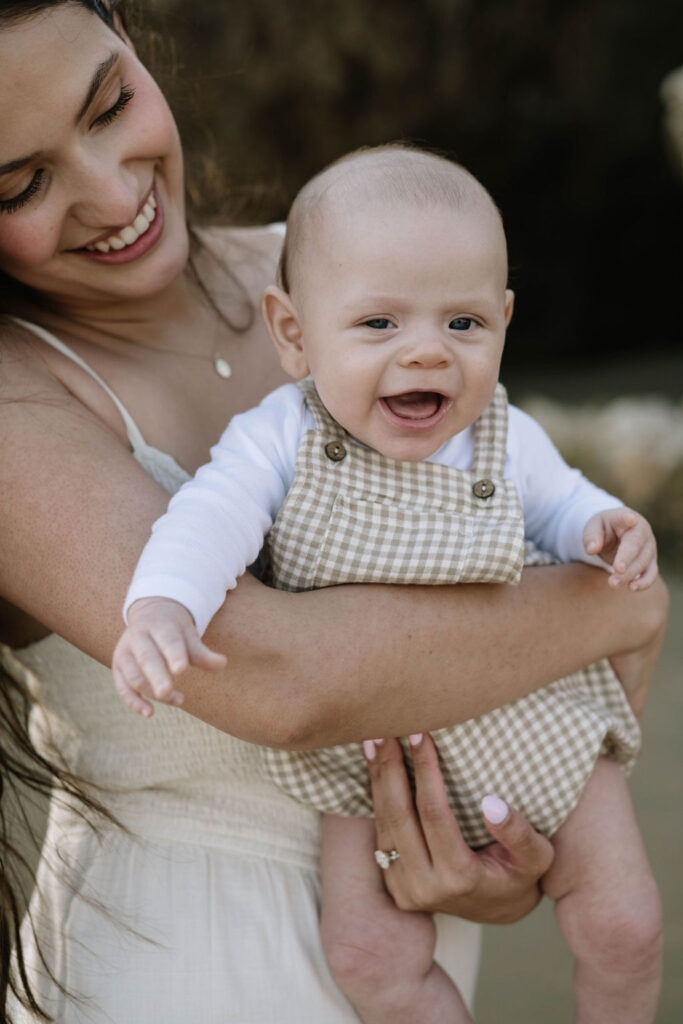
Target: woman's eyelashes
<point>126,94</point>
<point>16,202</point>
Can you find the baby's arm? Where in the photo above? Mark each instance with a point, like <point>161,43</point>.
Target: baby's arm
<point>213,529</point>
<point>568,516</point>
<point>625,539</point>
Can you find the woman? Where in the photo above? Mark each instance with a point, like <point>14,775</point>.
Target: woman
<point>116,377</point>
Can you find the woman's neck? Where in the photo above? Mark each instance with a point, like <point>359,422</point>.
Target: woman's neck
<point>152,320</point>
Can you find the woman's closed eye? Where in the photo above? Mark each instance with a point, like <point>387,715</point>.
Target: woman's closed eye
<point>15,203</point>
<point>125,96</point>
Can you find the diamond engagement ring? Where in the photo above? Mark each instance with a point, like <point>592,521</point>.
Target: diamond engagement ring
<point>385,857</point>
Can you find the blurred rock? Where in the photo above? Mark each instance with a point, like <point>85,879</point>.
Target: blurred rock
<point>633,447</point>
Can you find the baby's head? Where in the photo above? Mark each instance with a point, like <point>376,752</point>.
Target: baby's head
<point>393,296</point>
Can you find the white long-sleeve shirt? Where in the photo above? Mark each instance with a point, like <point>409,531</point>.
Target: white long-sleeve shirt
<point>216,524</point>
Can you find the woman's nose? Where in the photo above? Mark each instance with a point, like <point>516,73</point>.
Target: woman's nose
<point>428,350</point>
<point>105,194</point>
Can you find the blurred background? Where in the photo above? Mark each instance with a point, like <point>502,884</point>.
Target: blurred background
<point>558,108</point>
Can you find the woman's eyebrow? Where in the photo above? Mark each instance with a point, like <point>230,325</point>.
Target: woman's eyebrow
<point>16,165</point>
<point>101,72</point>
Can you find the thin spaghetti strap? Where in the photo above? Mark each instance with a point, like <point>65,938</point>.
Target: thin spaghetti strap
<point>135,438</point>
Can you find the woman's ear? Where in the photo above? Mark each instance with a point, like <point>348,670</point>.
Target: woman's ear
<point>509,305</point>
<point>283,325</point>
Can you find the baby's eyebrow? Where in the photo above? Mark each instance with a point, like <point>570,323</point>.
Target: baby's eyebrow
<point>101,72</point>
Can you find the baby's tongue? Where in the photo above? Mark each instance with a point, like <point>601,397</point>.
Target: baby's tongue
<point>414,405</point>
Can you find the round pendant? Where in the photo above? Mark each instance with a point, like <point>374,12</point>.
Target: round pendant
<point>223,368</point>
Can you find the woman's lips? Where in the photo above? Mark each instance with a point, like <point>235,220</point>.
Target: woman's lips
<point>415,410</point>
<point>136,249</point>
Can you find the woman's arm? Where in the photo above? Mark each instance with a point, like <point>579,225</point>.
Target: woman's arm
<point>303,670</point>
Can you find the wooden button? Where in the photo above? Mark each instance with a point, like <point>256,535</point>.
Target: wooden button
<point>335,451</point>
<point>483,488</point>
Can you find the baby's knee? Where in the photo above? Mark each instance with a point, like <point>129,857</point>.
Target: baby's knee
<point>377,959</point>
<point>622,935</point>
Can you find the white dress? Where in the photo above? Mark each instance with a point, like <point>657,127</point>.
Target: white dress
<point>206,911</point>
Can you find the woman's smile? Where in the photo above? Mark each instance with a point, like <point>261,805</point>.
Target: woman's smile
<point>134,240</point>
<point>104,184</point>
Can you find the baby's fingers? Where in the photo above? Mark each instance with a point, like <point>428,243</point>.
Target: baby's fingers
<point>635,559</point>
<point>154,669</point>
<point>202,656</point>
<point>128,681</point>
<point>594,535</point>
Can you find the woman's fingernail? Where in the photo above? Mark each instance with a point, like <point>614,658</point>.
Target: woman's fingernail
<point>495,810</point>
<point>415,739</point>
<point>369,749</point>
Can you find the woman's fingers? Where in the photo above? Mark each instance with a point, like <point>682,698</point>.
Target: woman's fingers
<point>526,849</point>
<point>439,826</point>
<point>396,820</point>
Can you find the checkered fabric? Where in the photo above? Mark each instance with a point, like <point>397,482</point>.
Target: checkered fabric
<point>353,515</point>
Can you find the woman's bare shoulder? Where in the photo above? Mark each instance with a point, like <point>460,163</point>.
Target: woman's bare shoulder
<point>252,253</point>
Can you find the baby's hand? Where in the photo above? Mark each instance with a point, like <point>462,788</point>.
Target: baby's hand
<point>625,539</point>
<point>160,642</point>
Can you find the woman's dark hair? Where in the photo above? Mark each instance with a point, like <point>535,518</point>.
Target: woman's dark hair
<point>27,778</point>
<point>204,180</point>
<point>24,772</point>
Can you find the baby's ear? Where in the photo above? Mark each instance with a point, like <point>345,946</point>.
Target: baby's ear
<point>509,305</point>
<point>283,325</point>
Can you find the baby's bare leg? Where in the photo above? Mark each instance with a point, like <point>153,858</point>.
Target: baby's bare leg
<point>381,957</point>
<point>607,905</point>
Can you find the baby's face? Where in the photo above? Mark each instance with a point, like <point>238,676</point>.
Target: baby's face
<point>403,314</point>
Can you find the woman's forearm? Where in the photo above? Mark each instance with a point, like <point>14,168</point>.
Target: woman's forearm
<point>349,662</point>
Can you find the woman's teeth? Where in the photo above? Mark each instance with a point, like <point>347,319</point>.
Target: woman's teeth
<point>131,233</point>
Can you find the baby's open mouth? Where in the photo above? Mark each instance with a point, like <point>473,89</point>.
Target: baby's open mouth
<point>415,405</point>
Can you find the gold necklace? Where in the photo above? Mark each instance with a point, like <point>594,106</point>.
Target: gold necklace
<point>220,364</point>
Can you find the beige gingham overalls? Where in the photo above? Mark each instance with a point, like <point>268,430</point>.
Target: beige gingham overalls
<point>355,516</point>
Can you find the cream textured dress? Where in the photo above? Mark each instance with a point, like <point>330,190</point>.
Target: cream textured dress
<point>207,911</point>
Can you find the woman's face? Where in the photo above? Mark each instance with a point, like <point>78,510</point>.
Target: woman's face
<point>91,182</point>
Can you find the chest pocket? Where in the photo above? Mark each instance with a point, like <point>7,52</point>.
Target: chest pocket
<point>373,539</point>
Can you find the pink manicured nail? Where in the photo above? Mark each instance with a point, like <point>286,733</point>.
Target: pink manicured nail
<point>415,739</point>
<point>495,810</point>
<point>369,749</point>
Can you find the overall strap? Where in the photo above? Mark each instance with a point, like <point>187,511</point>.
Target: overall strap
<point>490,437</point>
<point>132,430</point>
<point>324,422</point>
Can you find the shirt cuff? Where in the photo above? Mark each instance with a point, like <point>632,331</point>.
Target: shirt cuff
<point>185,593</point>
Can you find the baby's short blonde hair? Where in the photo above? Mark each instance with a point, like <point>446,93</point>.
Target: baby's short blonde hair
<point>392,173</point>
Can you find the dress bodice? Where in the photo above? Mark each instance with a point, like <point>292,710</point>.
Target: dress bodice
<point>204,779</point>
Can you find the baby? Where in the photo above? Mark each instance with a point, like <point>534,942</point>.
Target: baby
<point>396,459</point>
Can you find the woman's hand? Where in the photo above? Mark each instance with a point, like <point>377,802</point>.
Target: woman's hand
<point>437,871</point>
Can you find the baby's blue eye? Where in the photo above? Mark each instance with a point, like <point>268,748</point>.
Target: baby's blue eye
<point>461,323</point>
<point>379,323</point>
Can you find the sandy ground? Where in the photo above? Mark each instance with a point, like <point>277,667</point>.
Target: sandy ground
<point>526,975</point>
